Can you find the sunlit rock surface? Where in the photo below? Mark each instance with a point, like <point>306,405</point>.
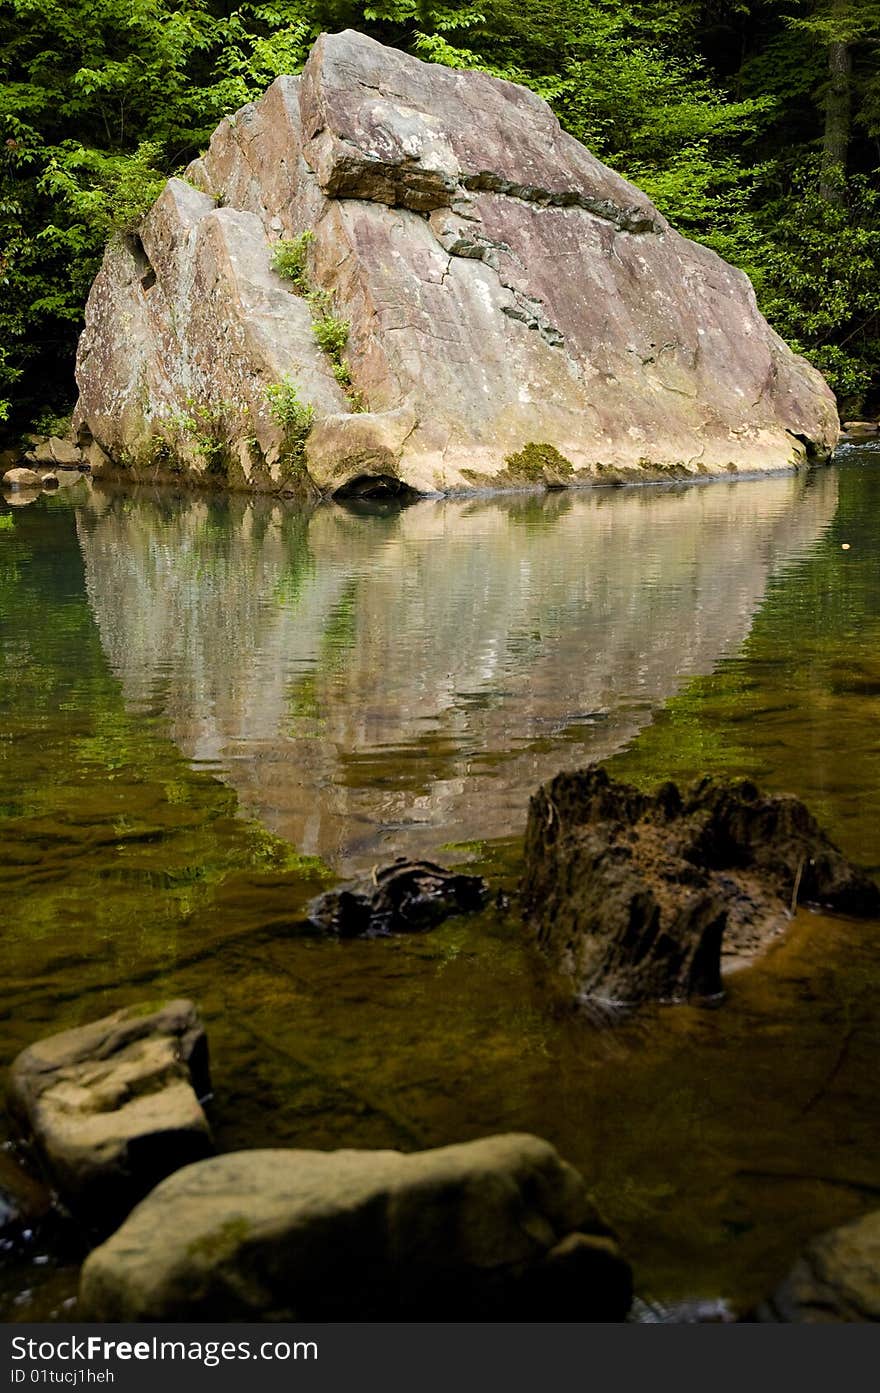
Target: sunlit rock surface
<point>504,290</point>
<point>112,1107</point>
<point>385,684</point>
<point>498,1228</point>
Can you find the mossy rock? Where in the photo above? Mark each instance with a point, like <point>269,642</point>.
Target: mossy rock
<point>539,463</point>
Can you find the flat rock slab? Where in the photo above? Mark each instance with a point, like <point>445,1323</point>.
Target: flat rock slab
<point>836,1279</point>
<point>113,1107</point>
<point>490,1229</point>
<point>405,897</point>
<point>519,315</point>
<point>635,896</point>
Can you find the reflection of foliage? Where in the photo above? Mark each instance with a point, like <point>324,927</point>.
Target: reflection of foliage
<point>808,671</point>
<point>114,843</point>
<point>337,640</point>
<point>340,631</point>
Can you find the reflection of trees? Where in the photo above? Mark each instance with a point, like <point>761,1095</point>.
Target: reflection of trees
<point>796,707</point>
<point>111,840</point>
<point>398,680</point>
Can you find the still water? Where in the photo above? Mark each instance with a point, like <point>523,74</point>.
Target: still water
<point>211,706</point>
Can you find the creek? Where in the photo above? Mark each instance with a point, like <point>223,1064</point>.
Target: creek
<point>211,706</point>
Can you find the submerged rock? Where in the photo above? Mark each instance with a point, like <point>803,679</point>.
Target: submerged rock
<point>406,897</point>
<point>636,896</point>
<point>437,208</point>
<point>498,1228</point>
<point>836,1279</point>
<point>112,1107</point>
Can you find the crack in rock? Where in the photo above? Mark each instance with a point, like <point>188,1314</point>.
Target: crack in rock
<point>470,245</point>
<point>633,219</point>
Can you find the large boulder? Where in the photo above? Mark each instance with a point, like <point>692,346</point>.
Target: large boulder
<point>490,1229</point>
<point>112,1107</point>
<point>837,1278</point>
<point>518,313</point>
<point>637,896</point>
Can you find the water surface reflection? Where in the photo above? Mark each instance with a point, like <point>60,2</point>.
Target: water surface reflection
<point>391,681</point>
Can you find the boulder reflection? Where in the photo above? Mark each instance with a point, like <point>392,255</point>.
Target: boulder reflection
<point>374,680</point>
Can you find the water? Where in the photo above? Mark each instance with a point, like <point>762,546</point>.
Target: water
<point>211,706</point>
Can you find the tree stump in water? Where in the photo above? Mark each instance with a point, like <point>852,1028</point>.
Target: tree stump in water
<point>637,896</point>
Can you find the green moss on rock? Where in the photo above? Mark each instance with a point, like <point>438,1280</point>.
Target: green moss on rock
<point>537,462</point>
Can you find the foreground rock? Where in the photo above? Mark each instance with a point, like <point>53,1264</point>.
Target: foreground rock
<point>837,1278</point>
<point>491,1229</point>
<point>441,206</point>
<point>113,1107</point>
<point>406,897</point>
<point>636,896</point>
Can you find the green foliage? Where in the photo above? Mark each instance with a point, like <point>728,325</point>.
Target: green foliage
<point>52,423</point>
<point>204,427</point>
<point>536,460</point>
<point>290,260</point>
<point>99,101</point>
<point>716,111</point>
<point>296,419</point>
<point>331,334</point>
<point>287,410</point>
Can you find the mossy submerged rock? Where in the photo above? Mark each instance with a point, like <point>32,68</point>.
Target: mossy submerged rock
<point>837,1278</point>
<point>637,896</point>
<point>113,1107</point>
<point>439,207</point>
<point>499,1228</point>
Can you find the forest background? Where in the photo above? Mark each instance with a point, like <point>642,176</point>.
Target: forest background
<point>754,125</point>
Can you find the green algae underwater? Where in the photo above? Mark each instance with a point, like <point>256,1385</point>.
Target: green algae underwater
<point>211,707</point>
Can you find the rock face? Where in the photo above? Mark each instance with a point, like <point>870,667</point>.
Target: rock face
<point>495,1228</point>
<point>836,1279</point>
<point>406,897</point>
<point>113,1107</point>
<point>637,897</point>
<point>518,314</point>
